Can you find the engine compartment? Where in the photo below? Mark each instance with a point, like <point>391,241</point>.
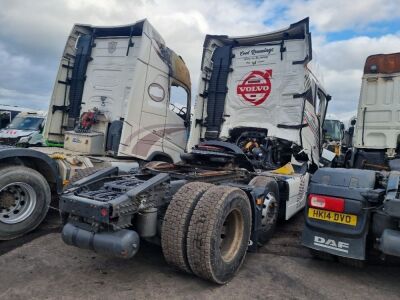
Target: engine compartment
<point>263,151</point>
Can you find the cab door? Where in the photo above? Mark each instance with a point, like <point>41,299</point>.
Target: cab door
<point>177,121</point>
<point>153,115</point>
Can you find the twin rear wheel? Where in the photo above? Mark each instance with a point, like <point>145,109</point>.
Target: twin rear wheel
<point>206,230</point>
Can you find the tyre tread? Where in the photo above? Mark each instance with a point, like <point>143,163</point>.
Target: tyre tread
<point>176,223</point>
<point>204,218</point>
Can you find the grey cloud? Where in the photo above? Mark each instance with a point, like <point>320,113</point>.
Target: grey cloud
<point>33,34</point>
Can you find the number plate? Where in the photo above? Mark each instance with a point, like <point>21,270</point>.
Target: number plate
<point>331,216</point>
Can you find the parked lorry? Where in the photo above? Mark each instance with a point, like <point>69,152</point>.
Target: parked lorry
<point>120,97</point>
<point>376,135</point>
<point>24,130</point>
<point>256,136</point>
<point>352,211</point>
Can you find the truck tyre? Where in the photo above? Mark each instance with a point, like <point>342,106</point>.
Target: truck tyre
<point>219,233</point>
<point>270,212</point>
<point>176,223</point>
<point>24,201</point>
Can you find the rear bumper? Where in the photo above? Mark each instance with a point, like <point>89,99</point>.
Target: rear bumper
<point>82,207</point>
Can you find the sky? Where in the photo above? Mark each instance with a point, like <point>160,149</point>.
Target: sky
<point>344,33</point>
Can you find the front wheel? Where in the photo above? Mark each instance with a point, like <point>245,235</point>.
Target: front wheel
<point>24,201</point>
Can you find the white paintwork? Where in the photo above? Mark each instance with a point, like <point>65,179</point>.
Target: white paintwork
<point>87,143</point>
<point>328,155</point>
<point>117,85</point>
<point>280,107</point>
<point>297,194</point>
<point>12,133</point>
<point>109,77</point>
<point>380,98</point>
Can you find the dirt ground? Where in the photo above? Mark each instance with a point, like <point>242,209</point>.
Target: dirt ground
<point>41,267</point>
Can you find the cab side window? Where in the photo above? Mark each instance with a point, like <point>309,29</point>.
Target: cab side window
<point>178,101</point>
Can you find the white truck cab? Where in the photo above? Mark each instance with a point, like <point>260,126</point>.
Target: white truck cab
<point>377,138</point>
<point>116,94</point>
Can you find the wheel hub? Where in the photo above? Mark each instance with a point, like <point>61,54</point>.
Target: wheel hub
<point>17,202</point>
<point>231,235</point>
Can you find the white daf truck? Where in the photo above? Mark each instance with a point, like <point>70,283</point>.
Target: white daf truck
<point>120,97</point>
<point>376,144</point>
<point>256,136</point>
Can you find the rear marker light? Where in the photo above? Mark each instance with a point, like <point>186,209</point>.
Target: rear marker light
<point>326,202</point>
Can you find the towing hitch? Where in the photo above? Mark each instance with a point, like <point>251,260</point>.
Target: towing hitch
<point>123,243</point>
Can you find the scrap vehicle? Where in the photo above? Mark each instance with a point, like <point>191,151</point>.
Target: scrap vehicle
<point>24,130</point>
<point>351,213</point>
<point>9,112</point>
<point>121,97</point>
<point>256,136</point>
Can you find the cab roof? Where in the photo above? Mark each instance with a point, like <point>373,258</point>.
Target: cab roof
<point>382,63</point>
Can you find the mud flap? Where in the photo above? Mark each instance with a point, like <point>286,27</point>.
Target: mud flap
<point>336,245</point>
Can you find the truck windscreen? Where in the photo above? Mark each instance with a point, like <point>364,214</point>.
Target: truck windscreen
<point>332,130</point>
<point>25,123</point>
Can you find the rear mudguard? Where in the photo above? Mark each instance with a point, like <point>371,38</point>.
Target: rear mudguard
<point>334,238</point>
<point>46,166</point>
<point>330,242</point>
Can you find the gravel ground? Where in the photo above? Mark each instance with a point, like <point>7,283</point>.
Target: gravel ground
<point>45,268</point>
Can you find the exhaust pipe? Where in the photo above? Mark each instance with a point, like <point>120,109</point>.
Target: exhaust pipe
<point>123,243</point>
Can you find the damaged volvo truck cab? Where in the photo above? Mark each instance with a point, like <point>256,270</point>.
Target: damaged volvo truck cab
<point>113,94</point>
<point>255,138</point>
<point>261,93</point>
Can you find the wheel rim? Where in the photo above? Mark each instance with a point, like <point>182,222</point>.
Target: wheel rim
<point>17,202</point>
<point>269,210</point>
<point>231,235</point>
